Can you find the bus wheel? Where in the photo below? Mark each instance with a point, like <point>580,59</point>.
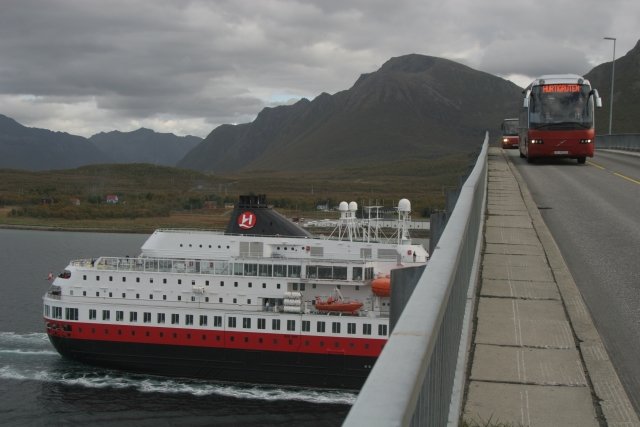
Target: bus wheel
<point>521,155</point>
<point>581,160</point>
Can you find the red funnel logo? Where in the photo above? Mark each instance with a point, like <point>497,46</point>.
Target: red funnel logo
<point>246,220</point>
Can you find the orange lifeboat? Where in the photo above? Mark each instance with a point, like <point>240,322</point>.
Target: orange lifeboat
<point>337,304</point>
<point>381,286</point>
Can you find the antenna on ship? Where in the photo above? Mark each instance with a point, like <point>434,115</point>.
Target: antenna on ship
<point>347,224</point>
<point>404,217</point>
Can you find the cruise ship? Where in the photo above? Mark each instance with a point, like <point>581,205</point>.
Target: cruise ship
<point>262,302</point>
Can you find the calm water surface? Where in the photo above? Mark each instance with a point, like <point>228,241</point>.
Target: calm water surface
<point>38,387</point>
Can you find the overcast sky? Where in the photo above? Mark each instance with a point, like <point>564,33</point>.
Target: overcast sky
<point>84,66</point>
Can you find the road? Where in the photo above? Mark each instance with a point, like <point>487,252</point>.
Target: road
<point>593,212</point>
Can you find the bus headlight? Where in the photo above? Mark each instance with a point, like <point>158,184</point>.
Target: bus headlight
<point>586,141</point>
<point>536,141</point>
<point>505,140</point>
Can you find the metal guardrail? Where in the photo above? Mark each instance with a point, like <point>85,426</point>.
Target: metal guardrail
<point>624,141</point>
<point>412,383</point>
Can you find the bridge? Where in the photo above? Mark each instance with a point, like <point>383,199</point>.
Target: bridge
<point>494,331</point>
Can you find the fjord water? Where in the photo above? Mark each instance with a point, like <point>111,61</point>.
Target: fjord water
<point>39,387</point>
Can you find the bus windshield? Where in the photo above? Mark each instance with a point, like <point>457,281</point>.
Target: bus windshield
<point>561,106</point>
<point>510,127</point>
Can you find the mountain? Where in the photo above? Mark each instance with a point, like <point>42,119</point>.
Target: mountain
<point>414,106</point>
<point>626,93</point>
<point>144,146</point>
<point>22,147</point>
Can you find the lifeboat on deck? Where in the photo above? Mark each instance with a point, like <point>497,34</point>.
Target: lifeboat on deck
<point>337,304</point>
<point>381,286</point>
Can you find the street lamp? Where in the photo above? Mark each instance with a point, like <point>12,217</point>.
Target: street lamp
<point>613,71</point>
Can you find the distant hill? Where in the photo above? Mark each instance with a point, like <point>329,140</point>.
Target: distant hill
<point>414,106</point>
<point>34,149</point>
<point>626,96</point>
<point>144,146</point>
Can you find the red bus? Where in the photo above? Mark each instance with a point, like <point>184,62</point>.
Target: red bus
<point>509,133</point>
<point>557,118</point>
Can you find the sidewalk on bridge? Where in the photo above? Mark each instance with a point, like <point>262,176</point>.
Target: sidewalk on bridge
<point>536,357</point>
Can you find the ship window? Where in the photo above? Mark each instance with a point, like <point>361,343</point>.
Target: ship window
<point>291,325</point>
<point>190,245</point>
<point>180,244</point>
<point>97,278</point>
<point>250,284</point>
<point>124,295</point>
<point>92,314</point>
<point>106,314</point>
<point>264,286</point>
<point>138,296</point>
<point>320,326</point>
<point>335,327</point>
<point>251,269</point>
<point>97,294</point>
<point>232,322</point>
<point>294,287</point>
<point>357,273</point>
<point>119,316</point>
<point>71,313</point>
<point>246,322</point>
<point>57,312</point>
<point>237,269</point>
<point>235,300</point>
<point>47,310</point>
<point>293,271</point>
<point>84,293</point>
<point>111,278</point>
<point>279,270</point>
<point>206,299</point>
<point>150,296</point>
<point>188,320</point>
<point>203,320</point>
<point>164,297</point>
<point>146,317</point>
<point>124,279</point>
<point>366,329</point>
<point>137,280</point>
<point>265,270</point>
<point>262,323</point>
<point>220,299</point>
<point>368,273</point>
<point>206,283</point>
<point>200,245</point>
<point>193,298</point>
<point>222,283</point>
<point>357,288</point>
<point>160,317</point>
<point>302,286</point>
<point>275,324</point>
<point>84,277</point>
<point>313,285</point>
<point>110,294</point>
<point>179,281</point>
<point>235,284</point>
<point>133,316</point>
<point>164,281</point>
<point>278,285</point>
<point>193,283</point>
<point>351,328</point>
<point>175,319</point>
<point>151,280</point>
<point>248,300</point>
<point>179,298</point>
<point>217,321</point>
<point>306,326</point>
<point>382,330</point>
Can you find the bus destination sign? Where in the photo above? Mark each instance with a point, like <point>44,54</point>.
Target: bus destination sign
<point>555,88</point>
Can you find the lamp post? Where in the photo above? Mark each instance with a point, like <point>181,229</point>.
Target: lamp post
<point>613,71</point>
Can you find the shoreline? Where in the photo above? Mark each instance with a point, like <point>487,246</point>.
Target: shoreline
<point>78,229</point>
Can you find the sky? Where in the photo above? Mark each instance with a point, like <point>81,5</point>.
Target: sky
<point>186,67</point>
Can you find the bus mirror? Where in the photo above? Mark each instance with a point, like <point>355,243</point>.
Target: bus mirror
<point>596,97</point>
